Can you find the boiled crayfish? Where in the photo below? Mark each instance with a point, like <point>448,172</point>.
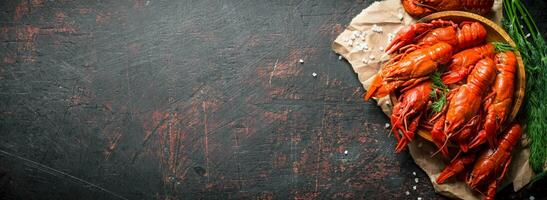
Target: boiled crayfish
<point>409,69</point>
<point>492,164</point>
<point>463,61</point>
<point>419,35</point>
<point>420,8</point>
<point>462,116</point>
<point>498,105</point>
<point>407,113</point>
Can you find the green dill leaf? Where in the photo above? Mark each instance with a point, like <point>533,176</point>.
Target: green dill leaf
<point>433,94</point>
<point>438,105</point>
<point>533,49</point>
<point>502,47</point>
<point>437,81</point>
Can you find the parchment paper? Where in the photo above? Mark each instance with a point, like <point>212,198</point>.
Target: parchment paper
<point>373,28</point>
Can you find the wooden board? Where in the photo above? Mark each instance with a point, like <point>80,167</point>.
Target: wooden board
<point>168,99</point>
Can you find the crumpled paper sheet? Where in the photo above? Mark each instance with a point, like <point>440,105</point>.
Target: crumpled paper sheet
<point>391,17</point>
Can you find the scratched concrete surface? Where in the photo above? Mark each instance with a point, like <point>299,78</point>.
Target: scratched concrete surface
<point>166,99</point>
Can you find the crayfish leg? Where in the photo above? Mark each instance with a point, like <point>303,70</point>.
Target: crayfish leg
<point>491,192</point>
<point>439,136</point>
<point>455,167</point>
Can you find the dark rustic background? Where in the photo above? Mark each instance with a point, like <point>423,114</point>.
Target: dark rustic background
<point>204,99</point>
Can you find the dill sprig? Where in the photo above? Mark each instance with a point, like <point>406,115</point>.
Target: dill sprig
<point>437,84</point>
<point>503,47</point>
<point>521,26</point>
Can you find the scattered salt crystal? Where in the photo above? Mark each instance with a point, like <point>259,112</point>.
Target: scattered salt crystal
<point>387,125</point>
<point>527,35</point>
<point>352,37</point>
<point>400,15</point>
<point>532,198</point>
<point>356,33</point>
<point>339,57</point>
<point>346,40</point>
<point>346,152</point>
<point>414,173</point>
<point>371,57</point>
<point>416,180</point>
<point>377,29</point>
<point>147,3</point>
<point>301,61</point>
<point>365,46</point>
<point>381,48</point>
<point>419,198</point>
<point>414,187</point>
<point>364,60</point>
<point>407,193</point>
<point>314,74</point>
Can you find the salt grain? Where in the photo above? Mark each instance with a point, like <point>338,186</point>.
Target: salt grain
<point>371,57</point>
<point>381,48</point>
<point>377,29</point>
<point>414,173</point>
<point>339,57</point>
<point>365,47</point>
<point>527,35</point>
<point>364,60</point>
<point>407,193</point>
<point>346,152</point>
<point>363,36</point>
<point>414,187</point>
<point>416,180</point>
<point>301,61</point>
<point>387,125</point>
<point>400,15</point>
<point>532,198</point>
<point>419,198</point>
<point>346,40</point>
<point>314,74</point>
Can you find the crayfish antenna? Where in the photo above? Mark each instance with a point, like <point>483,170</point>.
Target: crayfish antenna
<point>443,149</point>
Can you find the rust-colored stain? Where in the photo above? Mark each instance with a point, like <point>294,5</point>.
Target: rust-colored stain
<point>37,3</point>
<point>9,60</point>
<point>113,140</point>
<point>60,16</point>
<point>134,48</point>
<point>26,36</point>
<point>20,10</point>
<point>103,18</point>
<point>273,116</point>
<point>138,4</point>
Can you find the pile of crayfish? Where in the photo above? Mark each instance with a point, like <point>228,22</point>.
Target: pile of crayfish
<point>453,84</point>
<point>420,8</point>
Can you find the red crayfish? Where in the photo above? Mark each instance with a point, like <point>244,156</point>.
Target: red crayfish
<point>420,8</point>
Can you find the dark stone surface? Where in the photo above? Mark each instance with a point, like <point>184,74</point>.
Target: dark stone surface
<point>166,99</point>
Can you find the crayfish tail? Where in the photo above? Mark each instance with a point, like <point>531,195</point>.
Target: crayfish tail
<point>374,88</point>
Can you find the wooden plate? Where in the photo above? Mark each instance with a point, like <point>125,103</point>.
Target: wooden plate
<point>494,34</point>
